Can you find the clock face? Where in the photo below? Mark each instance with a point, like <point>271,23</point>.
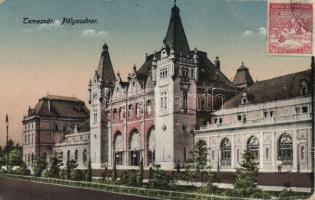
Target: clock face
<point>244,94</point>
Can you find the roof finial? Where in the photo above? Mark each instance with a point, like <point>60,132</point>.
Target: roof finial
<point>174,2</point>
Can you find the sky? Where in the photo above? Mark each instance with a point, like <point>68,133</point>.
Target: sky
<point>36,60</point>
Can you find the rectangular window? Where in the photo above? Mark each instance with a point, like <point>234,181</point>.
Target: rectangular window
<point>163,100</point>
<point>212,155</point>
<point>297,110</point>
<point>220,120</point>
<point>239,117</point>
<point>265,114</point>
<point>304,109</point>
<point>244,118</point>
<point>271,113</point>
<point>184,105</point>
<point>185,155</point>
<point>130,111</point>
<point>267,153</point>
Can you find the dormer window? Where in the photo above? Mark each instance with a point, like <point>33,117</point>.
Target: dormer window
<point>133,83</point>
<point>244,99</point>
<point>303,88</point>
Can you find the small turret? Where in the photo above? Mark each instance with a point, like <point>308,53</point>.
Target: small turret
<point>242,78</point>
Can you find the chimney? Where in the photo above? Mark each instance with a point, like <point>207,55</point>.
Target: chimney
<point>217,62</point>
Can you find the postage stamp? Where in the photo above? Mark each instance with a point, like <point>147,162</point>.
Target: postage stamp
<point>290,28</point>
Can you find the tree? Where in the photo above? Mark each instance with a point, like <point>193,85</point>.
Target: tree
<point>188,174</point>
<point>114,171</point>
<point>40,165</point>
<point>200,154</point>
<point>88,174</point>
<point>210,188</point>
<point>72,172</point>
<point>67,170</point>
<point>15,157</point>
<point>161,179</point>
<point>140,174</point>
<point>54,167</point>
<point>245,177</point>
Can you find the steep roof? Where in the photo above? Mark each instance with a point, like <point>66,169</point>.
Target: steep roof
<point>243,77</point>
<point>62,98</point>
<point>60,106</point>
<point>175,37</point>
<point>279,88</point>
<point>208,72</point>
<point>105,68</point>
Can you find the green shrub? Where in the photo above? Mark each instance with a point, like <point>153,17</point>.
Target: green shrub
<point>161,179</point>
<point>22,170</point>
<point>285,194</point>
<point>40,165</point>
<point>53,170</point>
<point>76,175</point>
<point>140,174</point>
<point>245,177</point>
<point>261,195</point>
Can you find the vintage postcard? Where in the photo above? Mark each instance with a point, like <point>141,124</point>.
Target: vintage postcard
<point>157,99</point>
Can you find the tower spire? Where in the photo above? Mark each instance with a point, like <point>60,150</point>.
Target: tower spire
<point>175,37</point>
<point>105,68</point>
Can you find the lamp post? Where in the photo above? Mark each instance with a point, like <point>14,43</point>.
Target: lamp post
<point>7,126</point>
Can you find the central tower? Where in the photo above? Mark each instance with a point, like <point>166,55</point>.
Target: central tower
<point>100,90</point>
<point>175,72</point>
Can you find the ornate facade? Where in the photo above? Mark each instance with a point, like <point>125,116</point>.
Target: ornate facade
<point>152,115</point>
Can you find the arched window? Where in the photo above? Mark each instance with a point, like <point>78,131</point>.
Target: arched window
<point>134,148</point>
<point>253,146</point>
<point>151,146</point>
<point>84,156</point>
<point>118,148</point>
<point>134,141</point>
<point>76,155</point>
<point>225,152</point>
<point>285,150</point>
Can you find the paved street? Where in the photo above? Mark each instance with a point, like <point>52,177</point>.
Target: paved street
<point>22,190</point>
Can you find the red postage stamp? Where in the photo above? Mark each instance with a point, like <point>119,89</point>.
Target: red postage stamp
<point>290,28</point>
